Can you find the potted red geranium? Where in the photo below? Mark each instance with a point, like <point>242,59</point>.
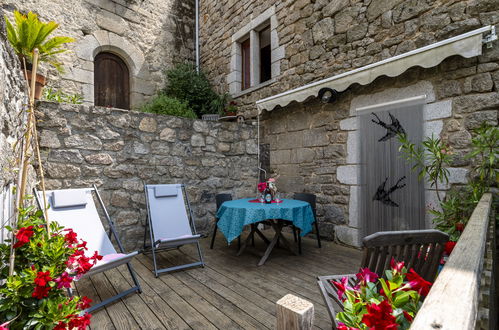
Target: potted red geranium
<point>45,265</point>
<point>377,303</point>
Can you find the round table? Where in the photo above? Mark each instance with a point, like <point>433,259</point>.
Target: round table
<point>234,215</point>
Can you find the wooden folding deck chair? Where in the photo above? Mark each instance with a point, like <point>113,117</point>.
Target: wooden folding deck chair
<point>420,249</point>
<point>75,209</point>
<point>168,223</point>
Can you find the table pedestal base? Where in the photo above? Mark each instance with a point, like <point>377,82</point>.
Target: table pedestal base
<point>278,237</point>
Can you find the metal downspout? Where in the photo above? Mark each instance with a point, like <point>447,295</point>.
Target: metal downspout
<point>197,35</point>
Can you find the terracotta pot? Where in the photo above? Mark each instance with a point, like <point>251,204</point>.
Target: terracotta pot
<point>231,113</point>
<point>40,83</point>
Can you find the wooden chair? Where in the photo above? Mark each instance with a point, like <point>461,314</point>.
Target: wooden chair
<point>420,249</point>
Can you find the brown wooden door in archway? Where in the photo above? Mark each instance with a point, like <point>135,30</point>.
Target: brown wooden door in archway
<point>111,81</point>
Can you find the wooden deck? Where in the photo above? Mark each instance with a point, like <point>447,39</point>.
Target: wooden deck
<point>229,293</point>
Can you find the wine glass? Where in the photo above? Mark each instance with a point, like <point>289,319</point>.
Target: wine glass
<point>278,197</point>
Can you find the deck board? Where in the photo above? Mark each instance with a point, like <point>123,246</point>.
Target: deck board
<point>230,292</point>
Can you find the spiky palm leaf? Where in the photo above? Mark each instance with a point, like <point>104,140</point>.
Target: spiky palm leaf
<point>30,33</point>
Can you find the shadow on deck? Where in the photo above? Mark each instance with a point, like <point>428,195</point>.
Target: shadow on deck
<point>229,293</point>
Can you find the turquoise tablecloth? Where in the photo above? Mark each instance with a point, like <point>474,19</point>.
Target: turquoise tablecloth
<point>234,215</point>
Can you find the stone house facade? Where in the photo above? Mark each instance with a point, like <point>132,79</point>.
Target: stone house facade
<point>315,147</point>
<point>149,36</point>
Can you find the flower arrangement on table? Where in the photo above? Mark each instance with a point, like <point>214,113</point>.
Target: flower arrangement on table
<point>268,187</point>
<point>45,265</point>
<point>375,303</point>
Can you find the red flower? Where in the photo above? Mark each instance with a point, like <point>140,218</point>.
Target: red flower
<point>82,245</point>
<point>80,323</point>
<point>408,316</point>
<point>42,278</point>
<point>262,186</point>
<point>379,317</point>
<point>449,246</point>
<point>418,283</point>
<point>396,266</point>
<point>365,275</point>
<point>70,237</point>
<point>342,326</point>
<point>63,281</point>
<point>341,287</point>
<point>60,326</point>
<point>84,303</point>
<point>23,236</point>
<point>96,257</point>
<point>459,226</point>
<point>40,292</point>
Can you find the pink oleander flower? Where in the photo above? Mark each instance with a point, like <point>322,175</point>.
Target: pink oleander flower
<point>396,266</point>
<point>418,283</point>
<point>64,281</point>
<point>341,287</point>
<point>365,275</point>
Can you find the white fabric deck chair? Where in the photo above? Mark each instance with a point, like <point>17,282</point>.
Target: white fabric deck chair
<point>75,209</point>
<point>168,223</point>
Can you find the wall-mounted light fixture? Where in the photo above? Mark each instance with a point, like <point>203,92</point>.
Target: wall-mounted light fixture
<point>327,95</point>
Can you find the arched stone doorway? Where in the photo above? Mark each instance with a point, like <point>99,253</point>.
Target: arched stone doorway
<point>111,81</point>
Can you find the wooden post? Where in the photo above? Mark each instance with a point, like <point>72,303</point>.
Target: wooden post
<point>294,313</point>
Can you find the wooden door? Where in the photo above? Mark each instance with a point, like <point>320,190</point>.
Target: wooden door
<point>111,81</point>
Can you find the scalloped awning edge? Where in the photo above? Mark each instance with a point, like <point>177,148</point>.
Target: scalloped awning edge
<point>467,45</point>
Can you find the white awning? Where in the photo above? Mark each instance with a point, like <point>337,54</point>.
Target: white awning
<point>467,45</point>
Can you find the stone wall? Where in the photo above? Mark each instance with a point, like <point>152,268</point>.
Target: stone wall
<point>13,101</point>
<point>323,38</point>
<point>315,147</point>
<point>117,150</point>
<point>149,35</point>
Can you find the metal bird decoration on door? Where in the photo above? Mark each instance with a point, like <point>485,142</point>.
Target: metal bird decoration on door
<point>383,195</point>
<point>392,129</point>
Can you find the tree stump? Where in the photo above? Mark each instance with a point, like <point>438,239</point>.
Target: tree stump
<point>294,313</point>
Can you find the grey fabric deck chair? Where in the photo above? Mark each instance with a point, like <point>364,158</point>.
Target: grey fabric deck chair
<point>75,209</point>
<point>419,249</point>
<point>168,223</point>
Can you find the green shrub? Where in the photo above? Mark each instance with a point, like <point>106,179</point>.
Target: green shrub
<point>184,83</point>
<point>166,105</point>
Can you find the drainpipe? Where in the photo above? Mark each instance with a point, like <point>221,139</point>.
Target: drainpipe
<point>197,35</point>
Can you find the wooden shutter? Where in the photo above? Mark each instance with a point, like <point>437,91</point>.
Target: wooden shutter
<point>111,81</point>
<point>246,67</point>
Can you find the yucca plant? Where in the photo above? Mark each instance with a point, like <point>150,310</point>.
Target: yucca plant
<point>30,33</point>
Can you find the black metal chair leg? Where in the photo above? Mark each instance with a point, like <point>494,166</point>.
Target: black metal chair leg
<point>239,242</point>
<point>213,237</point>
<point>252,235</point>
<point>294,233</point>
<point>318,234</point>
<point>299,242</point>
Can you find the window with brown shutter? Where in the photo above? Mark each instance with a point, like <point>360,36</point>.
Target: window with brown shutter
<point>245,63</point>
<point>111,81</point>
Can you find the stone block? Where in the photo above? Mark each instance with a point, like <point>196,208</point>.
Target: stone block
<point>323,30</point>
<point>353,147</point>
<point>458,175</point>
<point>251,147</point>
<point>476,119</point>
<point>106,133</point>
<point>167,134</point>
<point>120,199</point>
<point>49,139</point>
<point>335,151</point>
<point>460,139</point>
<point>333,7</point>
<point>345,19</point>
<point>349,124</point>
<point>353,207</point>
<point>85,47</point>
<point>99,159</point>
<point>476,102</point>
<point>62,171</point>
<point>348,174</point>
<point>432,128</point>
<point>378,7</point>
<point>111,22</point>
<point>140,148</point>
<point>437,110</point>
<point>83,141</point>
<point>197,140</point>
<point>201,126</point>
<point>348,235</point>
<point>79,75</point>
<point>481,82</point>
<point>148,124</point>
<point>334,214</point>
<point>302,155</point>
<point>65,156</point>
<point>315,137</point>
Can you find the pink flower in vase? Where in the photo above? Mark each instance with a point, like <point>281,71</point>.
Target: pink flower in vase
<point>262,186</point>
